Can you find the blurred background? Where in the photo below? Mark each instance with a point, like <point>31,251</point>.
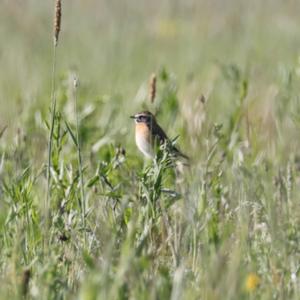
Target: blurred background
<point>228,83</point>
<point>114,46</point>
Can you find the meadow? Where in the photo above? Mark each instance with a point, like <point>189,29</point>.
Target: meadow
<point>102,222</point>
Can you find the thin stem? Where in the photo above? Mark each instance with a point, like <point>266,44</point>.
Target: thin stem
<point>83,204</point>
<point>53,112</point>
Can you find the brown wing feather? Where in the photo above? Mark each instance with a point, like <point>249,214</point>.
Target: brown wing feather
<point>159,133</point>
<point>161,136</point>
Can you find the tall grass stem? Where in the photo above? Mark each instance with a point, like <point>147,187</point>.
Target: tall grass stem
<point>53,112</point>
<point>79,158</point>
<point>56,31</point>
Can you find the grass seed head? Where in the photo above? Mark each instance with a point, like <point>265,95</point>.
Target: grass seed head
<point>57,21</point>
<point>202,99</point>
<point>25,281</point>
<point>152,88</point>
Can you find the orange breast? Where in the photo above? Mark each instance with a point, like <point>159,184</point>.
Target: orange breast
<point>142,132</point>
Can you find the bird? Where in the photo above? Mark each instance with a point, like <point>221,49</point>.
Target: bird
<point>149,135</point>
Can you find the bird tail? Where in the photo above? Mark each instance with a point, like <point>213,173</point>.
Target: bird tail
<point>179,153</point>
<point>176,151</point>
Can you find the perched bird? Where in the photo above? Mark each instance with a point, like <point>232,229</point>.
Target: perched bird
<point>149,135</point>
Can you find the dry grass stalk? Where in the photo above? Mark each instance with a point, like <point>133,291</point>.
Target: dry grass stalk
<point>57,21</point>
<point>152,88</point>
<point>194,112</point>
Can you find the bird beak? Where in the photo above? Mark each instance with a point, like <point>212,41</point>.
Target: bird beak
<point>132,117</point>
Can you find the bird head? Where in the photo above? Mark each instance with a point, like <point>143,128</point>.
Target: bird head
<point>144,117</point>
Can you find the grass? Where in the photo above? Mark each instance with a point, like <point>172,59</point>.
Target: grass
<point>227,227</point>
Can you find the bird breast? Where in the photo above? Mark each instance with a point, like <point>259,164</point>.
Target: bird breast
<point>144,139</point>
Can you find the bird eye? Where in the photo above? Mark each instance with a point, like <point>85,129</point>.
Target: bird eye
<point>143,118</point>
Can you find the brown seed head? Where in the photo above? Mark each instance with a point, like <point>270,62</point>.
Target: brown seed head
<point>202,99</point>
<point>152,88</point>
<point>25,281</point>
<point>57,21</point>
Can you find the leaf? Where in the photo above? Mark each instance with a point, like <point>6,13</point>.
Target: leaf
<point>2,131</point>
<point>127,215</point>
<point>89,261</point>
<point>92,181</point>
<point>71,134</point>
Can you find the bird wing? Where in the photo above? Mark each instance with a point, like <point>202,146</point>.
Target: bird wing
<point>161,136</point>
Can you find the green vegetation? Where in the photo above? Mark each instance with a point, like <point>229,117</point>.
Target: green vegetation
<point>119,227</point>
